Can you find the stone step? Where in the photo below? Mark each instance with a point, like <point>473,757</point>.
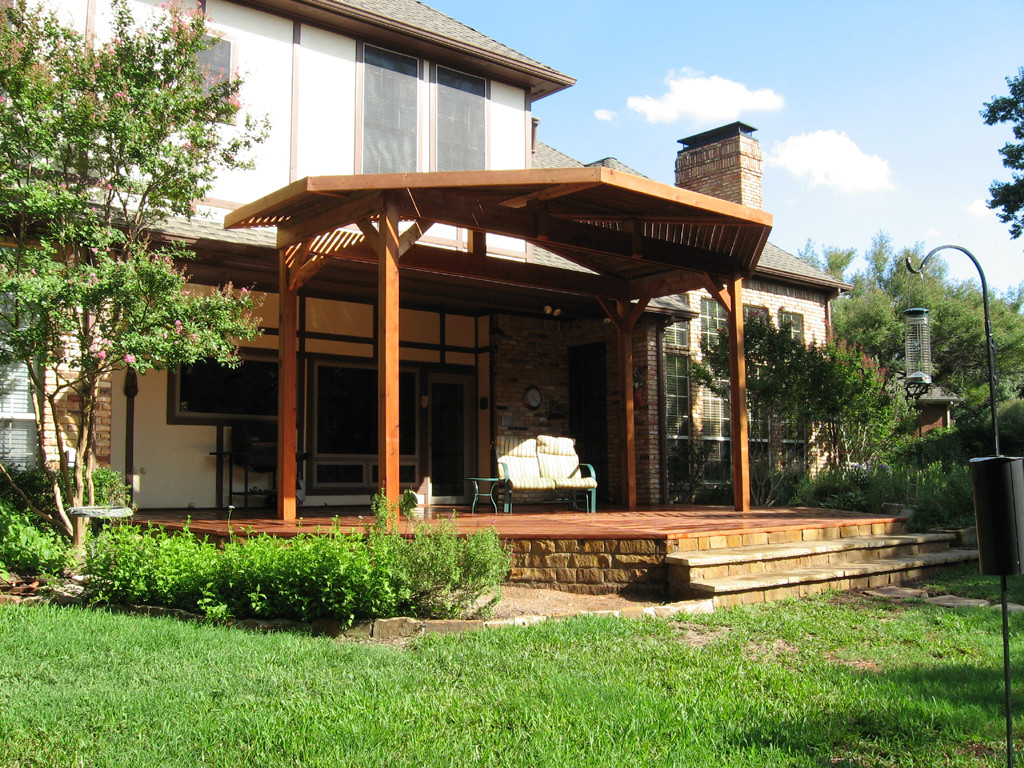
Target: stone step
<point>751,588</point>
<point>739,561</point>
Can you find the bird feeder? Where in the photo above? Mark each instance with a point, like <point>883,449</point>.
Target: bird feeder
<point>918,349</point>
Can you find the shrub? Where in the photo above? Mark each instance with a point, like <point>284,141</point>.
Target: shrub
<point>945,498</point>
<point>129,564</point>
<point>26,547</point>
<point>345,576</point>
<point>442,574</point>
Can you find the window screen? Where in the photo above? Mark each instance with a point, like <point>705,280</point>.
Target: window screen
<point>389,111</point>
<point>215,62</point>
<point>208,390</point>
<point>461,132</point>
<point>346,411</point>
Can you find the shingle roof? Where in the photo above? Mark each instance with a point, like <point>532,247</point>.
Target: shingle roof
<point>416,19</point>
<point>616,165</point>
<point>775,261</point>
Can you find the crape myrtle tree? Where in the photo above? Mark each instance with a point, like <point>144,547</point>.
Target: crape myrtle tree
<point>98,143</point>
<point>834,390</point>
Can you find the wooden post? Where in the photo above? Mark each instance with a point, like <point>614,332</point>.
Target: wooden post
<point>625,348</point>
<point>625,315</point>
<point>388,252</point>
<point>738,398</point>
<point>287,388</point>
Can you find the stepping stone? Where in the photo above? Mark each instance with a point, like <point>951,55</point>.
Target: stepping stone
<point>1010,607</point>
<point>952,601</point>
<point>905,593</point>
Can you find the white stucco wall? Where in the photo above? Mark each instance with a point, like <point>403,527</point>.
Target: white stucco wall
<point>326,138</point>
<point>262,54</point>
<point>507,120</point>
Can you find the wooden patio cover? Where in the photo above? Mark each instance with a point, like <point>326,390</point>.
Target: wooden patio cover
<point>637,239</point>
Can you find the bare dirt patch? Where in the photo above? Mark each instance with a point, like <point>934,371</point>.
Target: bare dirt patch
<point>527,601</point>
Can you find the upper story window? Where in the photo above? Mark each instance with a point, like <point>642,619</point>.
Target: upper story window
<point>759,313</point>
<point>678,334</point>
<point>713,319</point>
<point>215,62</point>
<point>390,109</point>
<point>794,321</point>
<point>461,121</point>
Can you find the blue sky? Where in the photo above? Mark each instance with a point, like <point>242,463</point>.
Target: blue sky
<point>867,112</point>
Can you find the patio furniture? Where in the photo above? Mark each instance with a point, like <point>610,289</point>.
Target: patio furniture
<point>492,491</point>
<point>545,463</point>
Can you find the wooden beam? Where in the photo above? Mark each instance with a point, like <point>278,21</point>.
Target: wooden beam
<point>348,211</point>
<point>625,316</point>
<point>535,224</point>
<point>388,246</point>
<point>718,291</point>
<point>287,389</point>
<point>412,235</point>
<point>738,399</point>
<point>548,193</point>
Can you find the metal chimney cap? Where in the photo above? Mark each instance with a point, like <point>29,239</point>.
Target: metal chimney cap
<point>717,134</point>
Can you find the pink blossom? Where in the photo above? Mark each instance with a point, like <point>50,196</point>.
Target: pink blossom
<point>129,359</point>
<point>101,354</point>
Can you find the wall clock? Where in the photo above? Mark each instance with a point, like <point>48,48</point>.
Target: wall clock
<point>532,397</point>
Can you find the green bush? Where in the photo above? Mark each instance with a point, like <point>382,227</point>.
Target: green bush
<point>857,489</point>
<point>27,548</point>
<point>945,498</point>
<point>442,574</point>
<point>435,573</point>
<point>130,564</point>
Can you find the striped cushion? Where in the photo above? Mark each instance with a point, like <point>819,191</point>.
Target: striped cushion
<point>559,462</point>
<point>519,456</point>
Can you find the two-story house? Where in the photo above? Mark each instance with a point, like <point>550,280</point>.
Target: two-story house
<point>522,280</point>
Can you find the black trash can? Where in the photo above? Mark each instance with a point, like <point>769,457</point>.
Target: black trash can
<point>998,483</point>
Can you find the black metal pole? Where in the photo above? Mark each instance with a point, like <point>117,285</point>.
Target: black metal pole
<point>1006,675</point>
<point>991,345</point>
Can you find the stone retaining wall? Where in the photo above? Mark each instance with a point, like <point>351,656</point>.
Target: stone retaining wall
<point>592,566</point>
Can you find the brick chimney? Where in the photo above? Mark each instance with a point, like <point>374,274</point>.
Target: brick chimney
<point>724,162</point>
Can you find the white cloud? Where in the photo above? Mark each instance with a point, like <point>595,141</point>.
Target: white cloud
<point>831,159</point>
<point>605,114</point>
<point>980,209</point>
<point>704,99</point>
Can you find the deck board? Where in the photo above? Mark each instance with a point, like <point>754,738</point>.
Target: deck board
<point>540,522</point>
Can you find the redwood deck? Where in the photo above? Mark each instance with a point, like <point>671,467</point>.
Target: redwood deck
<point>541,522</point>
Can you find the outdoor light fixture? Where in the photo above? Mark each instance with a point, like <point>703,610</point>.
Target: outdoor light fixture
<point>918,352</point>
<point>998,481</point>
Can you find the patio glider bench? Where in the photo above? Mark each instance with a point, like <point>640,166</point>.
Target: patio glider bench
<point>545,463</point>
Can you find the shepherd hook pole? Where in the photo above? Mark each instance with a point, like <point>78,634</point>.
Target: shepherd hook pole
<point>990,342</point>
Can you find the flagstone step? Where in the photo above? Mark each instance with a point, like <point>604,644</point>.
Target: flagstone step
<point>739,561</point>
<point>769,572</point>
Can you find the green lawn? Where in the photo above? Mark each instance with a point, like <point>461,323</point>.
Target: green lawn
<point>829,681</point>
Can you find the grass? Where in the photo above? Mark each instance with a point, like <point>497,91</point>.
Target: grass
<point>830,681</point>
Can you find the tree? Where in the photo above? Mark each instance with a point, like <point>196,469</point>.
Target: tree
<point>870,318</point>
<point>1009,195</point>
<point>97,144</point>
<point>835,390</point>
<point>834,261</point>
